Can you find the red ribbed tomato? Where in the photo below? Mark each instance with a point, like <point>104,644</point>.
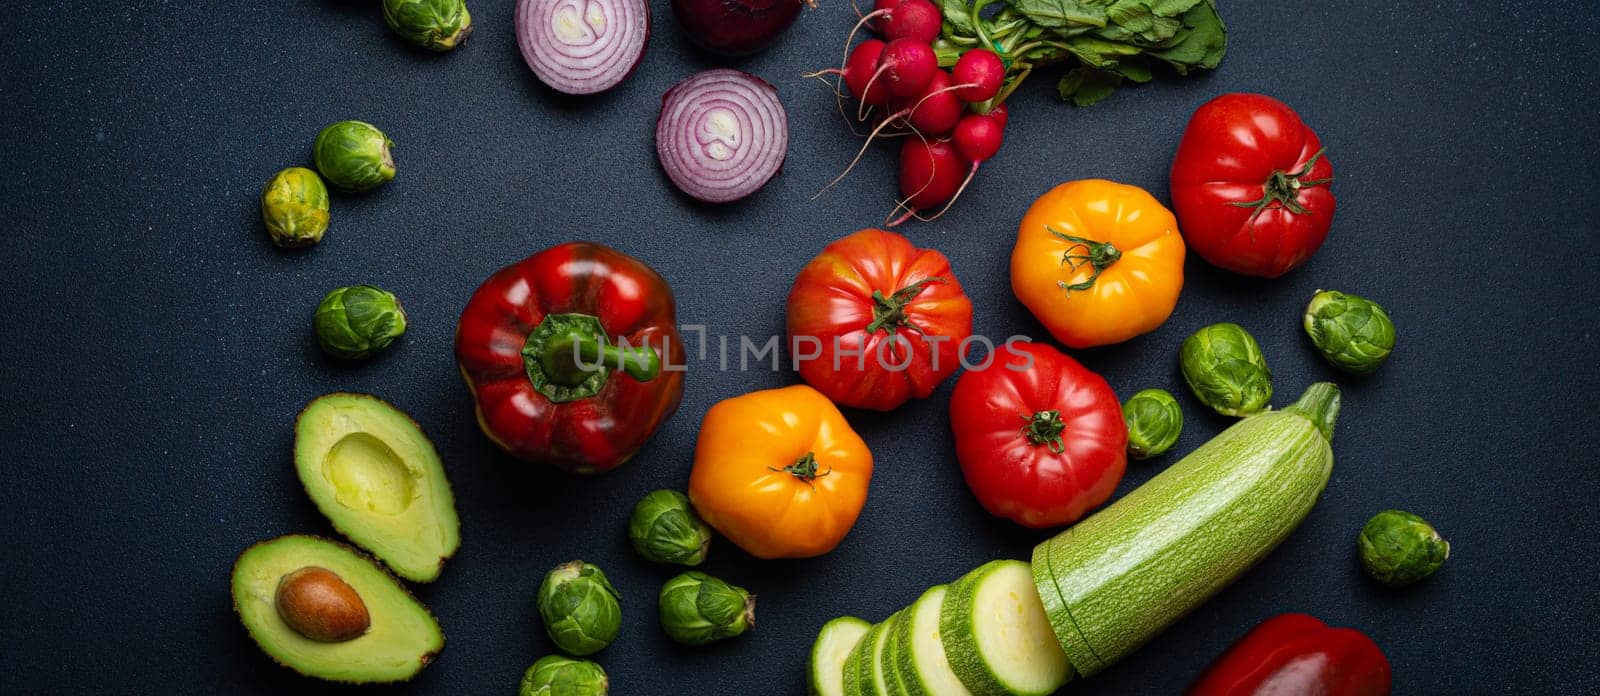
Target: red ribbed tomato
<point>874,321</point>
<point>1040,437</point>
<point>1250,186</point>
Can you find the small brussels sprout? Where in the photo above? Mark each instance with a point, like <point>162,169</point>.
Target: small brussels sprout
<point>1399,548</point>
<point>437,25</point>
<point>358,322</point>
<point>1154,422</point>
<point>558,675</point>
<point>353,156</point>
<point>1353,333</point>
<point>1225,369</point>
<point>697,609</point>
<point>665,529</point>
<point>294,206</point>
<point>579,607</point>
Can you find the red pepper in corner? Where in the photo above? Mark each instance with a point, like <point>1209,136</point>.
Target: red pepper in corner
<point>1296,655</point>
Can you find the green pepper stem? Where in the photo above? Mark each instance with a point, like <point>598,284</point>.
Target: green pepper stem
<point>567,358</point>
<point>573,358</point>
<point>1320,404</point>
<point>1045,428</point>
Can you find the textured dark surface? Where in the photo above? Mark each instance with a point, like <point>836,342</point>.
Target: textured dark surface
<point>156,348</point>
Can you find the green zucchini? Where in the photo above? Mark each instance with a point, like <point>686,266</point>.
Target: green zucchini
<point>1118,578</point>
<point>834,643</point>
<point>923,668</point>
<point>856,664</point>
<point>997,638</point>
<point>877,677</point>
<point>892,655</point>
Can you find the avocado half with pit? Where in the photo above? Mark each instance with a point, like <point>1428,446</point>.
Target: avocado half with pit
<point>372,472</point>
<point>326,611</point>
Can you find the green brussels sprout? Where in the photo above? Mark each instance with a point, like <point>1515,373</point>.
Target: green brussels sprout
<point>1353,333</point>
<point>558,675</point>
<point>1225,369</point>
<point>697,609</point>
<point>1154,422</point>
<point>665,529</point>
<point>358,322</point>
<point>1399,548</point>
<point>294,206</point>
<point>437,25</point>
<point>353,156</point>
<point>579,607</point>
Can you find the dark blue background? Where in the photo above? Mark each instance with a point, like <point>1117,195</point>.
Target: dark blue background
<point>156,348</point>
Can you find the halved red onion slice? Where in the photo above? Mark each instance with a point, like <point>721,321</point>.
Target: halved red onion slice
<point>722,134</point>
<point>582,46</point>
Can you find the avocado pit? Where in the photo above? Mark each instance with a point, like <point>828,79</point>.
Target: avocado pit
<point>321,606</point>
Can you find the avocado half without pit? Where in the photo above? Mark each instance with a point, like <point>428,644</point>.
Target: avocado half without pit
<point>326,611</point>
<point>377,478</point>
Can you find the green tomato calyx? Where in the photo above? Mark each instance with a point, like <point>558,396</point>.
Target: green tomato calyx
<point>889,313</point>
<point>1283,189</point>
<point>1045,428</point>
<point>567,357</point>
<point>804,468</point>
<point>1097,255</point>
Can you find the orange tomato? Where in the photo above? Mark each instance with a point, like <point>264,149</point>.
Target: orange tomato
<point>1098,262</point>
<point>780,473</point>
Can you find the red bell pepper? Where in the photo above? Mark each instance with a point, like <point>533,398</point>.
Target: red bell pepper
<point>1297,655</point>
<point>541,345</point>
<point>1040,437</point>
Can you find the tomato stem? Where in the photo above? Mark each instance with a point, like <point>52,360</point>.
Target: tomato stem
<point>1097,255</point>
<point>1283,188</point>
<point>889,313</point>
<point>1044,428</point>
<point>804,468</point>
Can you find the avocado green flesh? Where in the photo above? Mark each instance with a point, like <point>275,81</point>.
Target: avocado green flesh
<point>1126,573</point>
<point>373,473</point>
<point>402,638</point>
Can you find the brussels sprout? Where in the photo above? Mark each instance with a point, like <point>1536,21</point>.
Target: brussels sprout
<point>665,529</point>
<point>1399,548</point>
<point>1353,333</point>
<point>294,205</point>
<point>1154,422</point>
<point>697,609</point>
<point>358,322</point>
<point>1225,369</point>
<point>437,25</point>
<point>558,675</point>
<point>353,156</point>
<point>579,607</point>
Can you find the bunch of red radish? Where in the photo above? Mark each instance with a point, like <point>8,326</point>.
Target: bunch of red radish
<point>948,117</point>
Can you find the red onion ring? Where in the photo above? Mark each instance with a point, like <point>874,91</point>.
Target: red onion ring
<point>722,134</point>
<point>582,46</point>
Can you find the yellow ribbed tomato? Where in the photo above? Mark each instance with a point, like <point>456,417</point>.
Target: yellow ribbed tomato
<point>1098,262</point>
<point>780,473</point>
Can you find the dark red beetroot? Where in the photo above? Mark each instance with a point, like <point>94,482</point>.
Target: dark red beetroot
<point>736,27</point>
